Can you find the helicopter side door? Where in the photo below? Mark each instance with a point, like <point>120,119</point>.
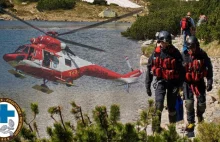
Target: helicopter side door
<point>55,62</point>
<point>31,53</point>
<point>46,59</point>
<point>47,63</point>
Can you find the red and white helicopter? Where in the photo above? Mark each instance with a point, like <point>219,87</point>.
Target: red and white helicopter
<point>47,57</point>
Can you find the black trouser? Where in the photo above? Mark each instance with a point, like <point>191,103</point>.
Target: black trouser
<point>161,89</point>
<point>189,100</point>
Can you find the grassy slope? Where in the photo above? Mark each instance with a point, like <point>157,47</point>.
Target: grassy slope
<point>213,48</point>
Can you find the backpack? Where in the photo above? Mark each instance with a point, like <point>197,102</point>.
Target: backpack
<point>185,23</point>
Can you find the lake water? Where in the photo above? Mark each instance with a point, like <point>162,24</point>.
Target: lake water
<point>90,91</point>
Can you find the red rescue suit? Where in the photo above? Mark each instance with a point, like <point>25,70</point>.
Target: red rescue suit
<point>197,67</point>
<point>164,67</point>
<point>195,72</point>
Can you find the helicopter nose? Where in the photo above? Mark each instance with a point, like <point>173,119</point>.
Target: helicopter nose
<point>9,57</point>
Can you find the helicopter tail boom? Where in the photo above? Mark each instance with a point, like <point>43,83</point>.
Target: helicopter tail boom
<point>130,77</point>
<point>104,73</point>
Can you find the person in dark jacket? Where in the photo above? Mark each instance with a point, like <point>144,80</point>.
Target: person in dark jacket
<point>165,64</point>
<point>197,66</point>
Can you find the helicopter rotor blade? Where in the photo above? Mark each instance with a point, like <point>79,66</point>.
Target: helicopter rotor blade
<point>73,31</point>
<point>12,15</point>
<point>67,41</point>
<point>80,44</point>
<point>67,49</point>
<point>101,23</point>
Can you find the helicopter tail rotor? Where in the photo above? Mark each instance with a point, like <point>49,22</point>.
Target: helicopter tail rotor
<point>129,79</point>
<point>128,63</point>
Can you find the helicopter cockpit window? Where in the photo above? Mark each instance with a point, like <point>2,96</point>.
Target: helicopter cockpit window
<point>68,62</point>
<point>22,49</point>
<point>26,49</point>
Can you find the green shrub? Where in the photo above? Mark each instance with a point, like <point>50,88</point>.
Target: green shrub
<point>107,127</point>
<point>208,132</point>
<point>113,4</point>
<point>163,15</point>
<point>55,4</point>
<point>209,31</point>
<point>29,0</point>
<point>149,50</point>
<point>100,2</point>
<point>166,15</point>
<point>59,133</point>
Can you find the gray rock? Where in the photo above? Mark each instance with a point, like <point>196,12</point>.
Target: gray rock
<point>216,102</point>
<point>24,3</point>
<point>107,13</point>
<point>147,42</point>
<point>213,99</point>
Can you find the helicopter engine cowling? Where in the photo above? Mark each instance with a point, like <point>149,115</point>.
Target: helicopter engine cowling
<point>50,42</point>
<point>63,45</point>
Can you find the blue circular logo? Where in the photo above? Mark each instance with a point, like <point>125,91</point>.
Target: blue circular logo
<point>11,119</point>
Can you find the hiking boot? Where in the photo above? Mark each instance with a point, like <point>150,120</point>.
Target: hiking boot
<point>190,134</point>
<point>190,127</point>
<point>200,119</point>
<point>190,130</point>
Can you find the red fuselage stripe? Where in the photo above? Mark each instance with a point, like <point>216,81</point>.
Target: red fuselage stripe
<point>91,70</point>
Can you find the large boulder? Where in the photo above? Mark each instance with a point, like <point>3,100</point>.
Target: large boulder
<point>6,3</point>
<point>108,13</point>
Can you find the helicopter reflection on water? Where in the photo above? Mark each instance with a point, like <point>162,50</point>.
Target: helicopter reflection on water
<point>90,91</point>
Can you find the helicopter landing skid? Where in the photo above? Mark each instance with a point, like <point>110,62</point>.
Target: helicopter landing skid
<point>126,86</point>
<point>69,84</point>
<point>62,81</point>
<point>42,88</point>
<point>17,74</point>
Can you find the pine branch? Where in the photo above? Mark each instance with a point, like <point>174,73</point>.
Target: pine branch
<point>61,117</point>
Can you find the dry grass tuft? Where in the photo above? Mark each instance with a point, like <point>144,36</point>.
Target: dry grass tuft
<point>212,49</point>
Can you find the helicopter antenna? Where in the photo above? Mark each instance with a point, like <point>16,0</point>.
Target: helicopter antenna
<point>12,15</point>
<point>101,23</point>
